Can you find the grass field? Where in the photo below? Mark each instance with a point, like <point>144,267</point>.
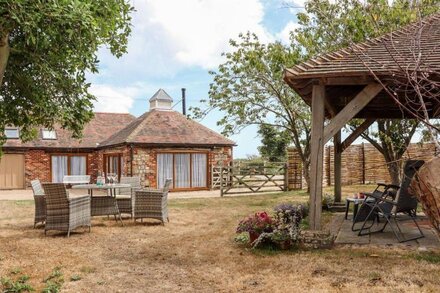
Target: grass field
<point>196,252</point>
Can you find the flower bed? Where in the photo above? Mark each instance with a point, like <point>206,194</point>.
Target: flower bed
<point>281,230</point>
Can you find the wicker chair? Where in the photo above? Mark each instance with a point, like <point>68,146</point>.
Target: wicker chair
<point>40,202</point>
<point>64,213</point>
<point>124,196</point>
<point>152,203</point>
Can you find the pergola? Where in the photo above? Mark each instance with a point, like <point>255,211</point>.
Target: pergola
<point>349,84</point>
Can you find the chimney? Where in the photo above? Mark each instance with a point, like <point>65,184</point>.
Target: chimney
<point>183,101</point>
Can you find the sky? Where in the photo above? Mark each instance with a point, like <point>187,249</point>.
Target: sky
<point>175,43</point>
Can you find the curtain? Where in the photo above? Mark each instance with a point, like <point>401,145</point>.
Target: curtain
<point>59,168</point>
<point>199,170</point>
<point>78,165</point>
<point>182,170</point>
<point>164,168</point>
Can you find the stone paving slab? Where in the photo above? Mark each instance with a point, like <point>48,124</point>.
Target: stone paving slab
<point>346,236</point>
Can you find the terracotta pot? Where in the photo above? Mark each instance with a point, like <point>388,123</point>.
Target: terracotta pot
<point>253,236</point>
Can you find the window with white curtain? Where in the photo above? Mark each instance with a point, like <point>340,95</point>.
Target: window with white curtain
<point>199,170</point>
<point>59,168</point>
<point>78,165</point>
<point>182,170</point>
<point>67,165</point>
<point>187,170</point>
<point>164,168</point>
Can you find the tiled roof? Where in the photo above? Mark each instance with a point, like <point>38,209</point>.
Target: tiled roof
<point>167,128</point>
<point>347,71</point>
<point>378,54</point>
<point>102,126</point>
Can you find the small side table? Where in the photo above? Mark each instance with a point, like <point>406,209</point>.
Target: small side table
<point>356,202</point>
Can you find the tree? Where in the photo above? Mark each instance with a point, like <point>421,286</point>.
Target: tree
<point>46,49</point>
<point>327,26</point>
<point>391,139</point>
<point>274,143</point>
<point>248,87</point>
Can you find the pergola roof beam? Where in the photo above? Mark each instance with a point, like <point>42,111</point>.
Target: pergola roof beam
<point>351,109</point>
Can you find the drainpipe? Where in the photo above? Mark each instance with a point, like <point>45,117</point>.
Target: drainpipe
<point>131,160</point>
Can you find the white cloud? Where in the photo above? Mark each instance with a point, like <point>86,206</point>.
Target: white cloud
<point>200,30</point>
<point>171,35</point>
<point>284,35</point>
<point>113,99</point>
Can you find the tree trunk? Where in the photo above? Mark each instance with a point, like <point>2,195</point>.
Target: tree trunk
<point>306,174</point>
<point>394,171</point>
<point>4,56</point>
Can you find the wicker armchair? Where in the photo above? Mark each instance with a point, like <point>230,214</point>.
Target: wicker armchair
<point>124,196</point>
<point>152,203</point>
<point>40,202</point>
<point>64,213</point>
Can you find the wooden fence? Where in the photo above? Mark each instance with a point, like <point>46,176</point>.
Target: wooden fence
<point>240,179</point>
<point>361,164</point>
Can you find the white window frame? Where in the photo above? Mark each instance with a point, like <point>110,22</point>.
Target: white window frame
<point>43,131</point>
<point>12,128</point>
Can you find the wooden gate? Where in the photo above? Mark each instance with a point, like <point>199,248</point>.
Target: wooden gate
<point>269,177</point>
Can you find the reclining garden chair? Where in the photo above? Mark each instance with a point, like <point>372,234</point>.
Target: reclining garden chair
<point>124,196</point>
<point>388,206</point>
<point>40,202</point>
<point>152,203</point>
<point>64,213</point>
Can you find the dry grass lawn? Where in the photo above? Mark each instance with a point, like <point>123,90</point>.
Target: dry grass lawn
<point>196,252</point>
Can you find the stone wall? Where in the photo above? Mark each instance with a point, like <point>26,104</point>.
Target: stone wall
<point>145,166</point>
<point>361,164</point>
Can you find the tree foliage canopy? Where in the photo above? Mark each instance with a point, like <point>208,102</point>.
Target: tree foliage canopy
<point>46,50</point>
<point>274,143</point>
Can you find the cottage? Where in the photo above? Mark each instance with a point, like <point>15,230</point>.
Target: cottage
<point>160,144</point>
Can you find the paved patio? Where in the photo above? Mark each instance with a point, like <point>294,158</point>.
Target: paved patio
<point>346,236</point>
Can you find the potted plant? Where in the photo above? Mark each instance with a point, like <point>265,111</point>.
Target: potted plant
<point>255,225</point>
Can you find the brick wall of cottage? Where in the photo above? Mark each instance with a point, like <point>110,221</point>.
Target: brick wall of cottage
<point>37,166</point>
<point>38,162</point>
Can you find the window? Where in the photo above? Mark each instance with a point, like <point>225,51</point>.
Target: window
<point>68,165</point>
<point>113,164</point>
<point>11,133</point>
<point>187,170</point>
<point>48,134</point>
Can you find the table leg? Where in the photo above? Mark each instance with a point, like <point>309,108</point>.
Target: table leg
<point>113,191</point>
<point>355,210</point>
<point>347,207</point>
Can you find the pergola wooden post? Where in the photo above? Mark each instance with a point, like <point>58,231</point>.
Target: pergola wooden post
<point>321,135</point>
<point>317,155</point>
<point>337,151</point>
